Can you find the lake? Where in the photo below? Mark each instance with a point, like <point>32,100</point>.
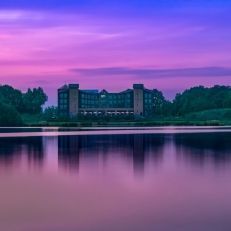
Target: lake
<point>164,179</point>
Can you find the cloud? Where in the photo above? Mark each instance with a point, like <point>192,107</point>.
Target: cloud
<point>16,16</point>
<point>152,72</point>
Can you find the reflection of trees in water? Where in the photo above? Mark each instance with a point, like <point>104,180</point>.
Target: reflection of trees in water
<point>13,149</point>
<point>204,147</point>
<point>133,147</point>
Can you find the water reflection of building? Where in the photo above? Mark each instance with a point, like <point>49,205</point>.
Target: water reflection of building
<point>138,152</point>
<point>68,152</point>
<point>136,148</point>
<point>12,149</point>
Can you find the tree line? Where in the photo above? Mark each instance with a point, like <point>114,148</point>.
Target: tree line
<point>195,99</point>
<point>13,103</point>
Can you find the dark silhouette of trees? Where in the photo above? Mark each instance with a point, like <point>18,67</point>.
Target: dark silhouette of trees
<point>33,100</point>
<point>161,105</point>
<point>13,103</point>
<point>200,98</point>
<point>11,96</point>
<point>195,99</point>
<point>30,102</point>
<point>50,113</point>
<point>9,116</point>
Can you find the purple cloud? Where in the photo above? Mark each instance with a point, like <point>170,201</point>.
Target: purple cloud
<point>152,72</point>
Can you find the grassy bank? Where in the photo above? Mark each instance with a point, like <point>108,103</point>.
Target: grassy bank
<point>219,117</point>
<point>131,124</point>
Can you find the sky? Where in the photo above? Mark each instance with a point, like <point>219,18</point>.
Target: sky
<point>111,44</point>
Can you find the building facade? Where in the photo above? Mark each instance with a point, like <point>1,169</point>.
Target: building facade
<point>72,102</point>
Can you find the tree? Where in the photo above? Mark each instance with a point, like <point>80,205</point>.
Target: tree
<point>9,116</point>
<point>11,96</point>
<point>50,113</point>
<point>33,100</point>
<point>161,105</point>
<point>200,98</point>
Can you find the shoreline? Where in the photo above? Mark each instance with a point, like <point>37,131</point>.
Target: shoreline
<point>49,132</point>
<point>136,124</point>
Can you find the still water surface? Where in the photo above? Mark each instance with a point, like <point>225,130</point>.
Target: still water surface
<point>119,182</point>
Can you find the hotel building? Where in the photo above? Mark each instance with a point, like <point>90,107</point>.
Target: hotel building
<point>72,101</point>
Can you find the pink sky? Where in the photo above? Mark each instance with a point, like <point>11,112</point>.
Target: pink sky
<point>49,48</point>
